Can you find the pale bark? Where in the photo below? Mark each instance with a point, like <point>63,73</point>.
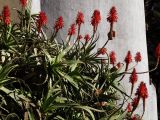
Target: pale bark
<point>130,31</point>
<point>35,7</point>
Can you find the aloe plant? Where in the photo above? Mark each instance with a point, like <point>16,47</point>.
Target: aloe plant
<point>42,79</point>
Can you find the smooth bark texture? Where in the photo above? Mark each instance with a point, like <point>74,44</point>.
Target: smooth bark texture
<point>130,34</point>
<point>35,7</point>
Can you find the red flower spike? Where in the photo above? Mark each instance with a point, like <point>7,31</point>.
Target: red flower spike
<point>102,51</point>
<point>138,57</point>
<point>96,18</point>
<point>112,57</point>
<point>142,91</point>
<point>72,30</point>
<point>23,3</point>
<point>42,20</point>
<point>128,58</point>
<point>118,65</point>
<point>134,118</point>
<point>157,52</point>
<point>129,107</point>
<point>6,12</point>
<point>59,24</point>
<point>7,21</point>
<point>133,79</point>
<point>80,37</point>
<point>80,19</point>
<point>87,37</point>
<point>135,102</point>
<point>6,15</point>
<point>112,17</point>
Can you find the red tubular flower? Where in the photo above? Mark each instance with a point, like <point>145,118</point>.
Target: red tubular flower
<point>102,51</point>
<point>133,79</point>
<point>80,37</point>
<point>87,37</point>
<point>129,107</point>
<point>135,103</point>
<point>23,2</point>
<point>80,19</point>
<point>134,118</point>
<point>42,20</point>
<point>7,21</point>
<point>112,17</point>
<point>6,12</point>
<point>96,18</point>
<point>118,65</point>
<point>142,91</point>
<point>138,57</point>
<point>6,15</point>
<point>157,52</point>
<point>72,30</point>
<point>112,57</point>
<point>59,24</point>
<point>128,58</point>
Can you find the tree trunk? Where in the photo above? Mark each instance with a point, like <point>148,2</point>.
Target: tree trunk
<point>35,7</point>
<point>130,30</point>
